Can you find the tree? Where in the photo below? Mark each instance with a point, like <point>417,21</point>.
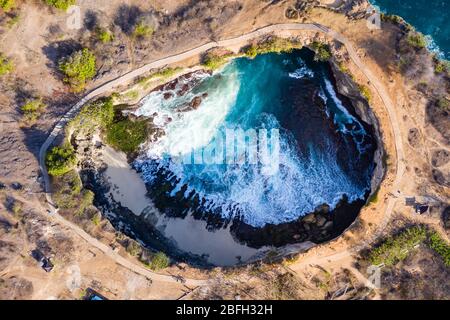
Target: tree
<point>78,68</point>
<point>60,160</point>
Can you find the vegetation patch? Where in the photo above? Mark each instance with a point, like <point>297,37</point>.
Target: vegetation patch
<point>441,66</point>
<point>98,114</point>
<point>163,74</point>
<point>443,104</point>
<point>365,92</point>
<point>32,109</point>
<point>143,30</point>
<point>271,45</point>
<point>60,4</point>
<point>441,247</point>
<point>7,5</point>
<point>158,261</point>
<point>60,160</point>
<point>6,66</point>
<point>104,35</point>
<point>127,135</point>
<point>322,50</point>
<point>69,194</point>
<point>416,40</point>
<point>78,68</point>
<point>397,248</point>
<point>214,61</point>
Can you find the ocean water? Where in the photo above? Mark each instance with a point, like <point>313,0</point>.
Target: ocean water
<point>431,17</point>
<point>311,150</point>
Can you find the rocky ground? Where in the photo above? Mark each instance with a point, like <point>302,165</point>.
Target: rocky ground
<point>40,36</point>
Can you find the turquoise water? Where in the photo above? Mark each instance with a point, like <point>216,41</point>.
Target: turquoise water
<point>431,17</point>
<point>317,151</point>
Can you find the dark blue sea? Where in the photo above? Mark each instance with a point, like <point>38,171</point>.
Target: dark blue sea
<point>431,17</point>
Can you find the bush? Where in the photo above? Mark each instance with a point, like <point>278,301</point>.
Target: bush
<point>214,61</point>
<point>6,66</point>
<point>105,36</point>
<point>163,73</point>
<point>60,4</point>
<point>442,66</point>
<point>87,199</point>
<point>78,68</point>
<point>60,160</point>
<point>322,50</point>
<point>7,5</point>
<point>134,248</point>
<point>416,40</point>
<point>397,248</point>
<point>365,92</point>
<point>440,247</point>
<point>126,135</point>
<point>142,30</point>
<point>443,104</point>
<point>98,114</point>
<point>32,109</point>
<point>67,189</point>
<point>159,261</point>
<point>273,44</point>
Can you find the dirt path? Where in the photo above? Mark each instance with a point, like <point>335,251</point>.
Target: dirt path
<point>292,28</point>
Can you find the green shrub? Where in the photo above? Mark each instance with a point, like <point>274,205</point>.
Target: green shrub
<point>374,197</point>
<point>443,104</point>
<point>397,248</point>
<point>159,261</point>
<point>322,50</point>
<point>440,247</point>
<point>365,92</point>
<point>133,248</point>
<point>7,5</point>
<point>214,61</point>
<point>13,20</point>
<point>32,109</point>
<point>67,189</point>
<point>142,30</point>
<point>251,51</point>
<point>87,199</point>
<point>416,40</point>
<point>78,68</point>
<point>126,135</point>
<point>442,66</point>
<point>6,66</point>
<point>105,36</point>
<point>163,73</point>
<point>98,114</point>
<point>60,160</point>
<point>60,4</point>
<point>273,44</point>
